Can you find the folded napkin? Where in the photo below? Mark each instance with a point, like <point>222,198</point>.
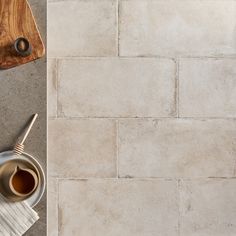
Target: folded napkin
<point>15,217</point>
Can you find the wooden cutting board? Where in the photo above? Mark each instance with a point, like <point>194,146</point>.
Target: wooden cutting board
<point>17,20</point>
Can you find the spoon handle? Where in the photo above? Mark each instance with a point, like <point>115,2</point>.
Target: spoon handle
<point>29,128</point>
<point>19,147</point>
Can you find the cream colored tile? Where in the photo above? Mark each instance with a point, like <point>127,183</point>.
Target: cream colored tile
<point>207,88</point>
<point>177,148</point>
<point>208,208</point>
<point>118,207</point>
<point>82,148</point>
<point>52,207</point>
<point>52,87</point>
<point>171,28</point>
<point>117,87</point>
<point>82,28</point>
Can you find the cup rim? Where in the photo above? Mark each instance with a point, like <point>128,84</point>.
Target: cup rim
<point>35,177</point>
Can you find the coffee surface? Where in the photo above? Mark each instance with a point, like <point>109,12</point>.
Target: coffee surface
<point>23,182</point>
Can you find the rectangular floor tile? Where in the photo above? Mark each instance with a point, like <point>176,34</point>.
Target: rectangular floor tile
<point>82,28</point>
<point>82,148</point>
<point>117,87</point>
<point>177,148</point>
<point>208,208</point>
<point>172,28</point>
<point>207,88</point>
<point>118,207</point>
<point>52,87</point>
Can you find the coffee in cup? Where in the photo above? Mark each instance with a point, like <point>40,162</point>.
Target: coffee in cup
<point>23,182</point>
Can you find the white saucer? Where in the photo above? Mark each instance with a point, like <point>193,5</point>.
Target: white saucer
<point>9,156</point>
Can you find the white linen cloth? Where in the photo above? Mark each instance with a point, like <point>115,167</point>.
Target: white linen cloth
<point>15,217</point>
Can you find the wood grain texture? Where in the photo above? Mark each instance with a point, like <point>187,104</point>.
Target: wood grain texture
<point>17,20</point>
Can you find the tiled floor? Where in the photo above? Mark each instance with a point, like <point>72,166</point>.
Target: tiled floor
<point>142,117</point>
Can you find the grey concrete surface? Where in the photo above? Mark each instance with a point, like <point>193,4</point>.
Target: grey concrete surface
<point>22,93</point>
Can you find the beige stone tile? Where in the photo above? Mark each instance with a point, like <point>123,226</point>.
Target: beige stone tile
<point>52,207</point>
<point>171,28</point>
<point>208,208</point>
<point>118,207</point>
<point>82,148</point>
<point>52,87</point>
<point>177,148</point>
<point>117,87</point>
<point>207,88</point>
<point>82,28</point>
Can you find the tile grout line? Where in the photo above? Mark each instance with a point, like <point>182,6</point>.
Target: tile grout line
<point>117,149</point>
<point>58,208</point>
<point>57,94</point>
<point>179,211</point>
<point>177,86</point>
<point>56,78</point>
<point>118,27</point>
<point>216,57</point>
<point>144,178</point>
<point>145,118</point>
<point>234,169</point>
<point>58,215</point>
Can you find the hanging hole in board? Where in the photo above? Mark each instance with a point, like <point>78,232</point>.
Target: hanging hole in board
<point>23,47</point>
